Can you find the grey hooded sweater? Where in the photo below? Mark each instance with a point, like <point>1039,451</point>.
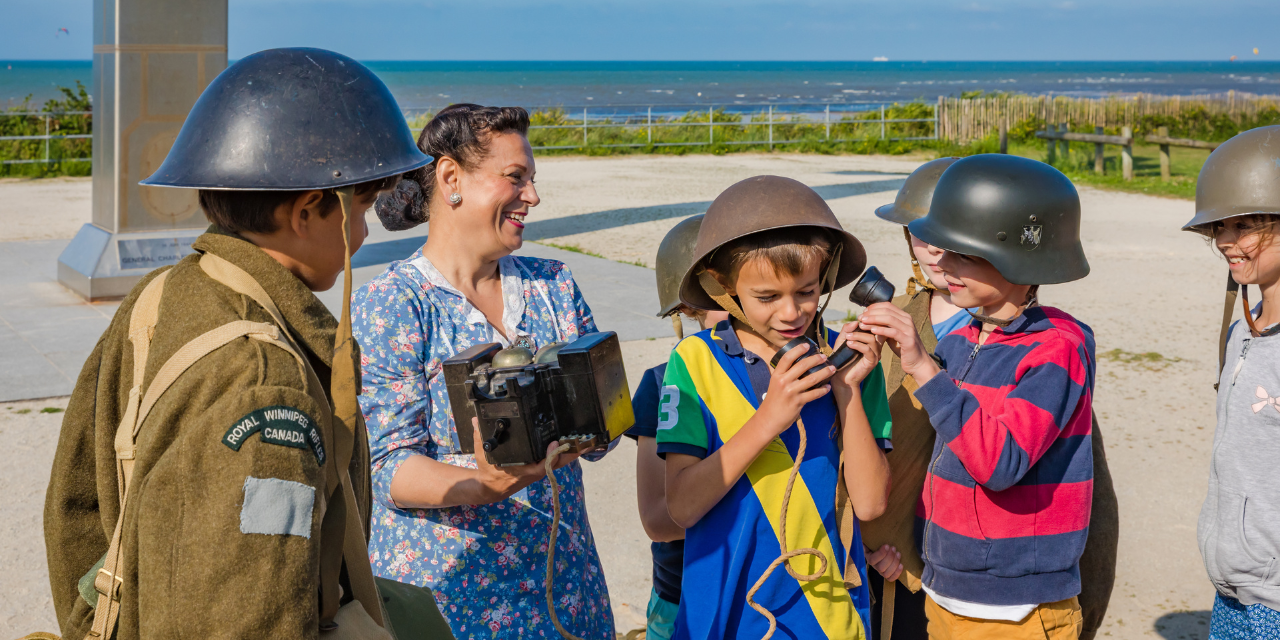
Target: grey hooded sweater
<point>1239,530</point>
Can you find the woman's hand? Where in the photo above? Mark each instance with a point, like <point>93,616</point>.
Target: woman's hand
<point>791,387</point>
<point>500,483</point>
<point>897,328</point>
<point>887,561</point>
<point>846,380</point>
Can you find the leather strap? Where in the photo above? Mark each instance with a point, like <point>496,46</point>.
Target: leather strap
<point>888,595</point>
<point>1233,288</point>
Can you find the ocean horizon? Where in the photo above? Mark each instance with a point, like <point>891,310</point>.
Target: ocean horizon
<point>429,85</point>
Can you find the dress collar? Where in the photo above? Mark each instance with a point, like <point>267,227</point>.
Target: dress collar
<point>513,305</point>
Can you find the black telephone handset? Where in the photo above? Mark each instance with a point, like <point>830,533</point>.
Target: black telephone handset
<point>871,288</point>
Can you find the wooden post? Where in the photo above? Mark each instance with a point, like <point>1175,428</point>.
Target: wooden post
<point>1099,152</point>
<point>1164,155</point>
<point>1051,144</point>
<point>1126,154</point>
<point>1004,136</point>
<point>1066,150</point>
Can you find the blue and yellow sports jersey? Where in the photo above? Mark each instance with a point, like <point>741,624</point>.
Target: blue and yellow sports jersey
<point>710,390</point>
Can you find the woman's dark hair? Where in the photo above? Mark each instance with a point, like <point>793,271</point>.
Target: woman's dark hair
<point>254,211</point>
<point>461,132</point>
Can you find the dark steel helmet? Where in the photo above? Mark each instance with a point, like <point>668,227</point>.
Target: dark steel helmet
<point>1241,176</point>
<point>764,203</point>
<point>291,119</point>
<point>916,193</point>
<point>1020,215</point>
<point>675,256</point>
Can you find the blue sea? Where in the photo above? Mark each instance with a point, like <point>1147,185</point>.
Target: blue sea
<point>431,85</point>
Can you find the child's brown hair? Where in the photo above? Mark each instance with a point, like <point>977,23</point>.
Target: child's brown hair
<point>789,251</point>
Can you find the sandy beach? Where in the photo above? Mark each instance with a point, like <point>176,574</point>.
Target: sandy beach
<point>1153,300</point>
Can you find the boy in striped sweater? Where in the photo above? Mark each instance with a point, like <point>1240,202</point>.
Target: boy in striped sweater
<point>1006,503</point>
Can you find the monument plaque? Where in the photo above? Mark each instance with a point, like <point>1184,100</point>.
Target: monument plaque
<point>151,60</point>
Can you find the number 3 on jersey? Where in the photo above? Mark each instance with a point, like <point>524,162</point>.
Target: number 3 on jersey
<point>667,413</point>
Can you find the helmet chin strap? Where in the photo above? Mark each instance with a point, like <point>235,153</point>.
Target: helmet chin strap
<point>1248,316</point>
<point>918,281</point>
<point>1031,301</point>
<point>727,302</point>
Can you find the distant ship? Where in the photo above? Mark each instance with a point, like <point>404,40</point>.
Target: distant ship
<point>879,59</point>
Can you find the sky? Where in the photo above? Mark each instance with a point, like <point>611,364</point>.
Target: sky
<point>702,29</point>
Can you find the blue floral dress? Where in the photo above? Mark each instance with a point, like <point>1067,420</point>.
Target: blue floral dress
<point>485,563</point>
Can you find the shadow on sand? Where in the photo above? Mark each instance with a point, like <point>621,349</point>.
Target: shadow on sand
<point>1183,625</point>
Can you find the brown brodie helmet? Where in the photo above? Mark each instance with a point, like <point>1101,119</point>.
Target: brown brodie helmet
<point>1240,178</point>
<point>912,203</point>
<point>758,205</point>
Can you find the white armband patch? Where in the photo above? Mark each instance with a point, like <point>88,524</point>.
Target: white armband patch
<point>277,507</point>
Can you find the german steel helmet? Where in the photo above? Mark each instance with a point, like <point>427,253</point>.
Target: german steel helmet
<point>1021,215</point>
<point>291,119</point>
<point>675,256</point>
<point>765,203</point>
<point>916,193</point>
<point>1241,176</point>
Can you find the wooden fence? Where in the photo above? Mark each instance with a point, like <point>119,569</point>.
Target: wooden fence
<point>964,120</point>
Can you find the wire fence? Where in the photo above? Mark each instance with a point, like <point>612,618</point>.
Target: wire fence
<point>642,126</point>
<point>45,137</point>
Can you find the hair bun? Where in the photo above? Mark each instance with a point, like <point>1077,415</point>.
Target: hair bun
<point>403,208</point>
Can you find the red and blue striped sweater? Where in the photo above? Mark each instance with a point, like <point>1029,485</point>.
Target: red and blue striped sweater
<point>1005,509</point>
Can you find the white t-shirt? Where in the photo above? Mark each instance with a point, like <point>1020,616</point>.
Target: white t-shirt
<point>1010,612</point>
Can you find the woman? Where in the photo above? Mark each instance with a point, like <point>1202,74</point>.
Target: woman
<point>475,534</point>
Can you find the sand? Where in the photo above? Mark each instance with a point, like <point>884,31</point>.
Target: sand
<point>1152,290</point>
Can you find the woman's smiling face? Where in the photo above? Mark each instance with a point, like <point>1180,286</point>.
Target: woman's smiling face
<point>498,193</point>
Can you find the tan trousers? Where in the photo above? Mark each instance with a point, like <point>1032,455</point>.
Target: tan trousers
<point>1053,621</point>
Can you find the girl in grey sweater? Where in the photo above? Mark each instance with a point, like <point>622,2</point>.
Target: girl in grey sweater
<point>1238,206</point>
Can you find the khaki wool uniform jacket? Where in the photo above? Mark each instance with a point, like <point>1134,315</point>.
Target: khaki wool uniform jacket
<point>207,552</point>
<point>913,438</point>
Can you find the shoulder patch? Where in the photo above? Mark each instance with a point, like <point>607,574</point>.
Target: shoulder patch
<point>278,424</point>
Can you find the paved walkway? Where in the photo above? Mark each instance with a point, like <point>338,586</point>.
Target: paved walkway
<point>47,332</point>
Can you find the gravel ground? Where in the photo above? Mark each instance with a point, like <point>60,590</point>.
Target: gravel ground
<point>1154,292</point>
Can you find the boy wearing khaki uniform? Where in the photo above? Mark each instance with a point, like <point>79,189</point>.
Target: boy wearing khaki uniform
<point>215,409</point>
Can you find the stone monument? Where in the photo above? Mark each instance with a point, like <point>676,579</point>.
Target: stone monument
<point>151,60</point>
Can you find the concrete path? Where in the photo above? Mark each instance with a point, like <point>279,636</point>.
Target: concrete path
<point>47,332</point>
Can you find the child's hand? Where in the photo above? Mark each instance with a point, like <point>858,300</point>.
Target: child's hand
<point>846,380</point>
<point>896,327</point>
<point>791,387</point>
<point>887,562</point>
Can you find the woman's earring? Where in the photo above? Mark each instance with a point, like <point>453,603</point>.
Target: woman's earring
<point>455,197</point>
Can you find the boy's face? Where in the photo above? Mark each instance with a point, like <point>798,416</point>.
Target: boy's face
<point>780,306</point>
<point>1248,243</point>
<point>928,256</point>
<point>974,282</point>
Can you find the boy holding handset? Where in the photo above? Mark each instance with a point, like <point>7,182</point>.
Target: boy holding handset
<point>731,430</point>
<point>1006,501</point>
<point>675,254</point>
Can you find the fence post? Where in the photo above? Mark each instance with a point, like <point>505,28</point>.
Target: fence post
<point>1066,146</point>
<point>649,122</point>
<point>1099,152</point>
<point>771,127</point>
<point>584,127</point>
<point>828,123</point>
<point>1051,144</point>
<point>1004,136</point>
<point>1126,154</point>
<point>46,139</point>
<point>1164,155</point>
<point>711,125</point>
<point>937,119</point>
<point>882,122</point>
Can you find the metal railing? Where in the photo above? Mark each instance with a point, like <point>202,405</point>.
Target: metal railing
<point>47,137</point>
<point>737,116</point>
